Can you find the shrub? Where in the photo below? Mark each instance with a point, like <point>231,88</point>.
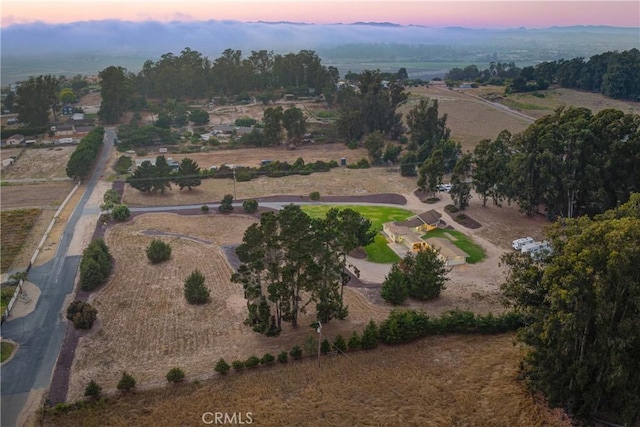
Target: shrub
<point>158,251</point>
<point>405,326</point>
<point>175,375</point>
<point>252,362</point>
<point>111,198</point>
<point>82,314</point>
<point>296,353</point>
<point>237,365</point>
<point>283,357</point>
<point>314,195</point>
<point>325,346</point>
<point>244,175</point>
<point>340,344</point>
<point>195,291</point>
<point>354,342</point>
<point>120,212</point>
<point>126,383</point>
<point>123,164</point>
<point>92,389</point>
<point>204,209</point>
<point>95,266</point>
<point>352,145</point>
<point>311,345</point>
<point>267,359</point>
<point>370,336</point>
<point>250,206</point>
<point>394,288</point>
<point>222,367</point>
<point>226,205</point>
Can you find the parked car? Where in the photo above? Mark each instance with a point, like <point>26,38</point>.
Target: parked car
<point>446,187</point>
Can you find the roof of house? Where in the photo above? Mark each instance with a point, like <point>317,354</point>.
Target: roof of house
<point>396,229</point>
<point>16,136</point>
<point>429,217</point>
<point>446,247</point>
<point>63,127</point>
<point>81,129</point>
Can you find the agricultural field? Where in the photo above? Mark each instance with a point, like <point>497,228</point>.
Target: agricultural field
<point>35,195</point>
<point>16,227</point>
<point>436,381</point>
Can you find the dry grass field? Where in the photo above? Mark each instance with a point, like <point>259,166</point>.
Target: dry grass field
<point>251,157</point>
<point>340,181</point>
<point>36,195</point>
<point>437,381</point>
<point>16,228</point>
<point>469,119</point>
<point>147,327</point>
<point>39,163</point>
<point>554,98</point>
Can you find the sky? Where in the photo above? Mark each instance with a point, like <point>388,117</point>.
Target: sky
<point>437,13</point>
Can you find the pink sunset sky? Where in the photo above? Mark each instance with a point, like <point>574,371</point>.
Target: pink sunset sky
<point>469,13</point>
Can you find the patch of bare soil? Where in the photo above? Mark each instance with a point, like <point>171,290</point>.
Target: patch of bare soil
<point>40,163</point>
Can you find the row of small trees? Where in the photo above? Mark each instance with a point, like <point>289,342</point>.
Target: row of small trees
<point>85,154</point>
<point>400,327</point>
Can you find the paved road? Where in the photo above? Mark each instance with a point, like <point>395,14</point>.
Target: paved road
<point>40,334</point>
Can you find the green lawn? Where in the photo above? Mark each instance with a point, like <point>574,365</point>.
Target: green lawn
<point>378,251</point>
<point>476,252</point>
<point>6,348</point>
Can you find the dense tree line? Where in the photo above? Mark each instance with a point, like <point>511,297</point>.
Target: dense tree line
<point>582,311</point>
<point>614,74</point>
<point>84,156</point>
<point>290,261</point>
<point>570,163</point>
<point>190,74</point>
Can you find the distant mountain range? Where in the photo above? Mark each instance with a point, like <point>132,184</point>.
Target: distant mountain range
<point>93,43</point>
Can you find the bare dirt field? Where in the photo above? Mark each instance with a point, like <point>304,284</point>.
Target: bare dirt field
<point>552,99</point>
<point>469,119</point>
<point>437,381</point>
<point>39,163</point>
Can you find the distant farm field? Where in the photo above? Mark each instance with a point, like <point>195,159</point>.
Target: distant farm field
<point>437,381</point>
<point>36,195</point>
<point>544,102</point>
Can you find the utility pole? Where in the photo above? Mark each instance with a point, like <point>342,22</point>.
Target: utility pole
<point>234,183</point>
<point>319,336</point>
